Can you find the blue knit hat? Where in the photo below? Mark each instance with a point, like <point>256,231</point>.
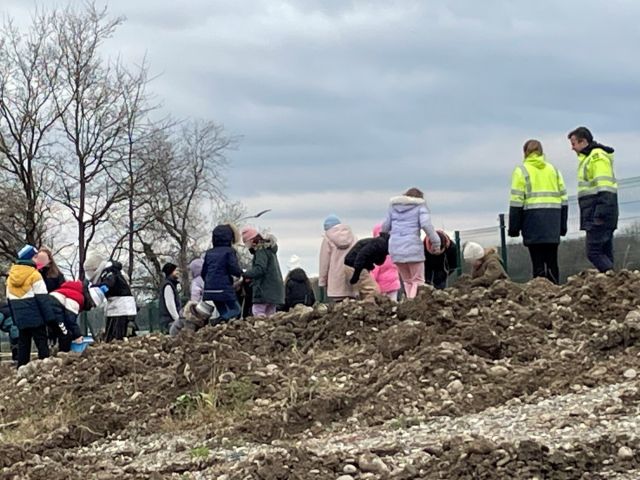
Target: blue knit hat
<point>27,252</point>
<point>331,221</point>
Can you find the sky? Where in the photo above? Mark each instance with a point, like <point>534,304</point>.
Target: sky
<point>342,104</point>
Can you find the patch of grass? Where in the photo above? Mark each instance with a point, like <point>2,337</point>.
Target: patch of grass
<point>201,452</point>
<point>235,395</point>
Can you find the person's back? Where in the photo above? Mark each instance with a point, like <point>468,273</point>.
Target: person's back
<point>197,282</point>
<point>67,303</point>
<point>30,305</point>
<point>298,290</point>
<point>438,267</point>
<point>337,242</point>
<point>218,271</point>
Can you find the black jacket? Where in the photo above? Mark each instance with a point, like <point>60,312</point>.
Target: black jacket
<point>113,279</point>
<point>220,264</point>
<point>52,283</point>
<point>163,310</point>
<point>298,290</point>
<point>438,267</point>
<point>367,253</point>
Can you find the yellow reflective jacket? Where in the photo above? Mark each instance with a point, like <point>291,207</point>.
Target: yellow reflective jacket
<point>539,202</point>
<point>597,188</point>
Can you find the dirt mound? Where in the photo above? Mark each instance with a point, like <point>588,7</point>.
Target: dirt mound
<point>336,368</point>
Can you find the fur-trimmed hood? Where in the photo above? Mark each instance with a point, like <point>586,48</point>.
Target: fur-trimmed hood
<point>226,234</point>
<point>268,241</point>
<point>404,203</point>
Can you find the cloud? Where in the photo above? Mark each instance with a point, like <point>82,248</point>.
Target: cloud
<point>343,103</point>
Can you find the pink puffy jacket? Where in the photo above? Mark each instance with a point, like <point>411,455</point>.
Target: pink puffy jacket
<point>386,275</point>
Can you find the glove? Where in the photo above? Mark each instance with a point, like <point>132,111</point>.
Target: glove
<point>104,288</point>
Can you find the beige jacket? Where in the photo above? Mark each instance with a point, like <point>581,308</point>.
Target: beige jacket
<point>490,270</point>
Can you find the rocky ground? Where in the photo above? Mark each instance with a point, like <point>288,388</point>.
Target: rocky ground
<point>517,381</point>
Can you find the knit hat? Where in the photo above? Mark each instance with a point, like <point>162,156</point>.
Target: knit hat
<point>294,263</point>
<point>27,252</point>
<point>473,252</point>
<point>248,234</point>
<point>168,269</point>
<point>331,221</point>
<point>93,266</point>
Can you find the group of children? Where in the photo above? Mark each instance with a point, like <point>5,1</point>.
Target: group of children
<point>43,307</point>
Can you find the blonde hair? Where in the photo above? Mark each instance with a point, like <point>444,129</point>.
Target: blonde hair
<point>532,146</point>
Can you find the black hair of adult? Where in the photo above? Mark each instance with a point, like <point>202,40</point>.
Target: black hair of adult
<point>581,133</point>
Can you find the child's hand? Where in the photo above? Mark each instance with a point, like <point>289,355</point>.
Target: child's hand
<point>78,340</point>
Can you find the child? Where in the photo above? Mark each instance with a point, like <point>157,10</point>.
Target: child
<point>192,320</point>
<point>264,274</point>
<point>298,290</point>
<point>338,240</point>
<point>30,305</point>
<point>220,266</point>
<point>67,303</point>
<point>386,275</point>
<point>438,267</point>
<point>197,282</point>
<point>408,214</point>
<point>169,302</point>
<point>49,270</point>
<point>363,258</point>
<point>486,265</point>
<point>121,305</point>
<point>8,326</point>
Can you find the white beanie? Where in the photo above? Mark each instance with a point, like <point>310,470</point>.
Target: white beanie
<point>473,252</point>
<point>294,262</point>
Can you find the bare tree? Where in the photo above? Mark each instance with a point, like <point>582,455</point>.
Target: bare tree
<point>29,71</point>
<point>98,101</point>
<point>188,177</point>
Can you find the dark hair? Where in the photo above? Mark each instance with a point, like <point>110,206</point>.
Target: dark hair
<point>415,193</point>
<point>581,133</point>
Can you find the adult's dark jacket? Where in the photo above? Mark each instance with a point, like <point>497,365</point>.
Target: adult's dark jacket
<point>220,265</point>
<point>599,211</point>
<point>367,253</point>
<point>437,268</point>
<point>298,290</point>
<point>265,275</point>
<point>52,283</point>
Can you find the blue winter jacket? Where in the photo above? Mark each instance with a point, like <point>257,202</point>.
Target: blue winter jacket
<point>220,264</point>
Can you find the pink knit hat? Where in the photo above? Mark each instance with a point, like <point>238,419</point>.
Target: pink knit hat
<point>248,234</point>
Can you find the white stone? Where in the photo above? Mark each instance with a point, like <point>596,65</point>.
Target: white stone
<point>630,373</point>
<point>625,453</point>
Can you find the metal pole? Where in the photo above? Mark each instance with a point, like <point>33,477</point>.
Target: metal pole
<point>503,241</point>
<point>458,253</point>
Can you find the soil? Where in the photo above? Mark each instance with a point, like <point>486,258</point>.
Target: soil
<point>335,369</point>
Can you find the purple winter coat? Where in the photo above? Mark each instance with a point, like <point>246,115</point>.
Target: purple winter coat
<point>197,284</point>
<point>406,216</point>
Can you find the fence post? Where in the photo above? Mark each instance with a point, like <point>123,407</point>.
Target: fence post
<point>503,242</point>
<point>458,253</point>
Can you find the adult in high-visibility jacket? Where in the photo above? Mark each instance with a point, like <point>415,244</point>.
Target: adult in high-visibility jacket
<point>539,210</point>
<point>597,197</point>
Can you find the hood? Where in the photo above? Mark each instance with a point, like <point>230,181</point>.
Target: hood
<point>117,265</point>
<point>536,160</point>
<point>268,241</point>
<point>491,252</point>
<point>71,291</point>
<point>593,145</point>
<point>222,233</point>
<point>298,275</point>
<point>403,203</point>
<point>223,236</point>
<point>20,273</point>
<point>341,236</point>
<point>195,267</point>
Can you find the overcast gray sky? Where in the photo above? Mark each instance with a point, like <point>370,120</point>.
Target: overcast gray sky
<point>344,103</point>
